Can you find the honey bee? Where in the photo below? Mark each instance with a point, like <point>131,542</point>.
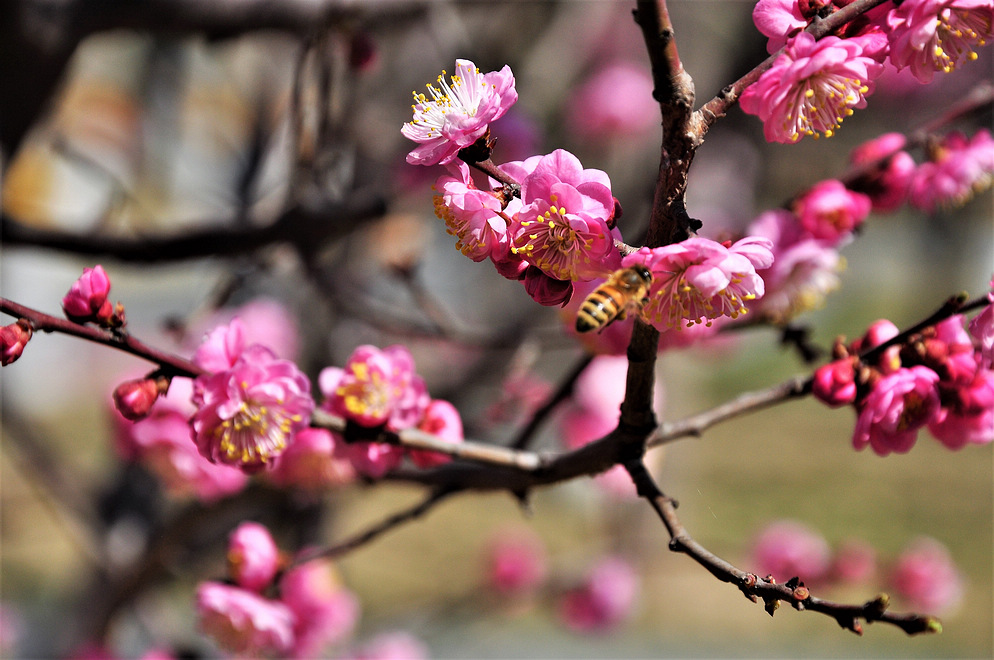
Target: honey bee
<point>625,290</point>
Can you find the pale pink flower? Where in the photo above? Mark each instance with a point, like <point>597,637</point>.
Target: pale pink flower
<point>595,405</point>
<point>516,562</point>
<point>887,185</point>
<point>899,405</point>
<point>563,226</point>
<point>243,622</point>
<point>263,321</point>
<point>811,87</point>
<point>134,398</point>
<point>938,35</point>
<point>699,280</point>
<point>325,611</point>
<point>967,416</point>
<point>779,20</point>
<point>162,442</point>
<point>926,576</point>
<point>13,339</point>
<point>221,347</point>
<point>802,276</point>
<point>834,384</point>
<point>829,211</point>
<point>982,329</point>
<point>247,415</point>
<point>317,459</point>
<point>87,298</point>
<point>253,558</point>
<point>397,645</point>
<point>458,113</point>
<point>786,549</point>
<point>616,101</point>
<point>855,562</point>
<point>441,419</point>
<point>958,169</point>
<point>472,215</point>
<point>605,599</point>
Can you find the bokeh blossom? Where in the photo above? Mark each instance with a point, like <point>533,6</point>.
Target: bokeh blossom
<point>563,227</point>
<point>787,549</point>
<point>616,101</point>
<point>604,600</point>
<point>253,558</point>
<point>888,182</point>
<point>325,611</point>
<point>699,280</point>
<point>393,645</point>
<point>938,35</point>
<point>317,459</point>
<point>516,562</point>
<point>899,405</point>
<point>243,622</point>
<point>926,576</point>
<point>811,87</point>
<point>458,112</point>
<point>829,211</point>
<point>441,419</point>
<point>958,169</point>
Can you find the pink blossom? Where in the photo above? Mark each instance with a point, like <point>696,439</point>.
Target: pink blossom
<point>982,329</point>
<point>563,226</point>
<point>888,183</point>
<point>458,112</point>
<point>855,562</point>
<point>247,415</point>
<point>414,398</point>
<point>253,557</point>
<point>616,101</point>
<point>880,332</point>
<point>967,416</point>
<point>938,35</point>
<point>831,212</point>
<point>811,87</point>
<point>834,384</point>
<point>13,339</point>
<point>605,599</point>
<point>699,280</point>
<point>516,562</point>
<point>325,611</point>
<point>221,347</point>
<point>243,622</point>
<point>473,216</point>
<point>441,419</point>
<point>376,387</point>
<point>899,404</point>
<point>87,298</point>
<point>787,549</point>
<point>373,459</point>
<point>397,645</point>
<point>778,20</point>
<point>317,459</point>
<point>926,577</point>
<point>162,442</point>
<point>595,405</point>
<point>958,168</point>
<point>134,398</point>
<point>263,321</point>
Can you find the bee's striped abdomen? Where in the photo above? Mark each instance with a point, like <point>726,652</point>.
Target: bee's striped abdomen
<point>598,309</point>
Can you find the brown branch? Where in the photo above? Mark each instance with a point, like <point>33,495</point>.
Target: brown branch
<point>755,587</point>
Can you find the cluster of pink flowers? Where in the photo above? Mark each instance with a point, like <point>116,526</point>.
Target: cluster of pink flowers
<point>923,574</point>
<point>937,379</point>
<point>813,85</point>
<point>313,610</point>
<point>380,389</point>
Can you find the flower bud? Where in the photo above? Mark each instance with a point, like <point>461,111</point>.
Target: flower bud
<point>13,339</point>
<point>546,290</point>
<point>834,384</point>
<point>134,398</point>
<point>253,558</point>
<point>87,298</point>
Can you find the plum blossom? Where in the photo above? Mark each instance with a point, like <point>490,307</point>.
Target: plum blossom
<point>441,419</point>
<point>938,35</point>
<point>787,549</point>
<point>325,612</point>
<point>605,599</point>
<point>831,212</point>
<point>834,384</point>
<point>563,227</point>
<point>262,320</point>
<point>516,562</point>
<point>925,575</point>
<point>811,87</point>
<point>253,558</point>
<point>854,562</point>
<point>888,183</point>
<point>247,415</point>
<point>243,622</point>
<point>778,20</point>
<point>699,280</point>
<point>967,415</point>
<point>899,405</point>
<point>958,169</point>
<point>316,459</point>
<point>473,216</point>
<point>87,299</point>
<point>546,290</point>
<point>13,339</point>
<point>616,101</point>
<point>376,387</point>
<point>458,112</point>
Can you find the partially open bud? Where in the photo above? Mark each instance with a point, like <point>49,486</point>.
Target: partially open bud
<point>134,398</point>
<point>834,384</point>
<point>87,298</point>
<point>13,338</point>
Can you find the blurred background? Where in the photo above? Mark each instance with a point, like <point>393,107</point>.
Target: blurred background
<point>200,127</point>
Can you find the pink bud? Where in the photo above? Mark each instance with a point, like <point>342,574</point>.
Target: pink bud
<point>547,290</point>
<point>87,298</point>
<point>834,384</point>
<point>253,558</point>
<point>134,398</point>
<point>516,563</point>
<point>13,339</point>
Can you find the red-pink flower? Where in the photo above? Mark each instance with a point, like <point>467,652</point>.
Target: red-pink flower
<point>834,384</point>
<point>778,20</point>
<point>253,558</point>
<point>458,113</point>
<point>247,415</point>
<point>87,298</point>
<point>830,211</point>
<point>938,35</point>
<point>926,577</point>
<point>787,549</point>
<point>605,599</point>
<point>699,280</point>
<point>888,183</point>
<point>325,611</point>
<point>982,329</point>
<point>317,459</point>
<point>13,339</point>
<point>376,387</point>
<point>563,226</point>
<point>243,622</point>
<point>516,562</point>
<point>967,416</point>
<point>472,215</point>
<point>899,404</point>
<point>441,419</point>
<point>221,347</point>
<point>811,87</point>
<point>616,101</point>
<point>958,169</point>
